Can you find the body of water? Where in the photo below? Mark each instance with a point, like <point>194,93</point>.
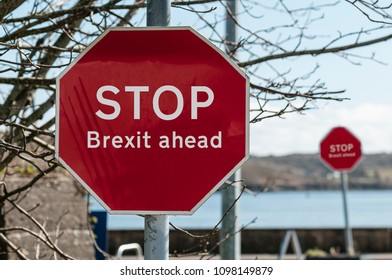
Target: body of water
<point>283,210</point>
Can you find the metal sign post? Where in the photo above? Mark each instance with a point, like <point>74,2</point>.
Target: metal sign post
<point>156,227</point>
<point>156,237</point>
<point>230,248</point>
<point>348,235</point>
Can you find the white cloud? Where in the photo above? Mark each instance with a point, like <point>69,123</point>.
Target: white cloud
<point>371,123</point>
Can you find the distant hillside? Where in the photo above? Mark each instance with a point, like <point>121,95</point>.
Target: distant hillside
<point>305,171</point>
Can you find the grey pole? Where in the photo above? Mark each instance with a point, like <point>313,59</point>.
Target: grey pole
<point>156,237</point>
<point>230,248</point>
<point>158,12</point>
<point>348,236</point>
<point>156,227</point>
<point>230,236</point>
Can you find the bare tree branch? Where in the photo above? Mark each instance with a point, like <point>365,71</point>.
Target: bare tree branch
<point>316,52</point>
<point>49,242</point>
<point>13,247</point>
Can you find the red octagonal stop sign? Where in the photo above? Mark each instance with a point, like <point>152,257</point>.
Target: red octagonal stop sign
<point>340,150</point>
<point>152,120</point>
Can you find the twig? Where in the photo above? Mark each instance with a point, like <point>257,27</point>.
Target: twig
<point>41,227</point>
<point>13,247</point>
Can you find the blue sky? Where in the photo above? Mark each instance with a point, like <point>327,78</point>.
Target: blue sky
<point>367,114</point>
